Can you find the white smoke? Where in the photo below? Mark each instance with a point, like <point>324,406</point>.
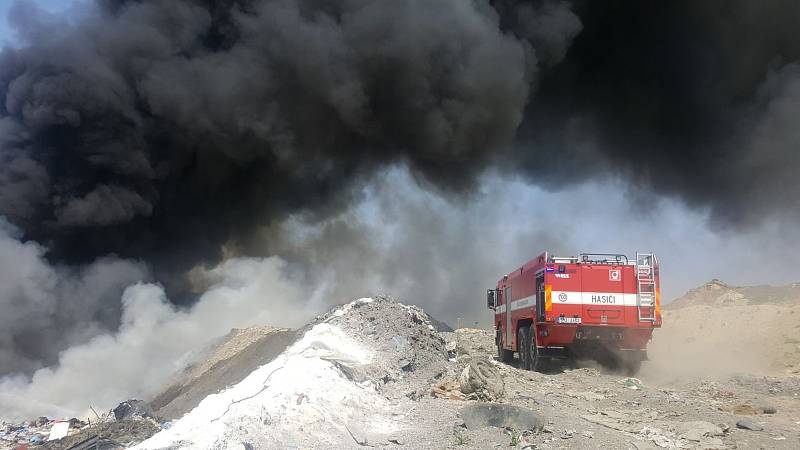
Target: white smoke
<point>154,337</point>
<point>45,308</point>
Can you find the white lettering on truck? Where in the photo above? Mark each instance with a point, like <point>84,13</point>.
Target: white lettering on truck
<point>604,299</point>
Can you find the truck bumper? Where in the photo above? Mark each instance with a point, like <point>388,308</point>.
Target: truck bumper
<point>559,336</point>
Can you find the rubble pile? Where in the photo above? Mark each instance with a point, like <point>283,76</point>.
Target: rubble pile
<point>410,353</point>
<point>130,422</point>
<point>346,382</point>
<point>34,432</point>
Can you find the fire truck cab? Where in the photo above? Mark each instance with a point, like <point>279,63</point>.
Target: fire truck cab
<point>599,306</point>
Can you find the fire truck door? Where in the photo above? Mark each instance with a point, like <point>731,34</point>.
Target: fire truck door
<point>507,301</point>
<point>540,297</point>
<point>603,296</point>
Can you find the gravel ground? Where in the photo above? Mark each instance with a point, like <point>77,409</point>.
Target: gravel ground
<point>588,407</point>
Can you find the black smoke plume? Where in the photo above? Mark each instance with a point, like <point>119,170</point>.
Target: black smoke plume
<point>162,130</point>
<point>694,99</point>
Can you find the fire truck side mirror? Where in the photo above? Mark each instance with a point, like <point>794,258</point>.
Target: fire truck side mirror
<point>490,300</point>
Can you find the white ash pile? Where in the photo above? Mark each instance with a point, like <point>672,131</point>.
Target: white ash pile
<point>346,382</point>
<point>409,352</point>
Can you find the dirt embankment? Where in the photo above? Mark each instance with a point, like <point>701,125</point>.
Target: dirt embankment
<point>720,330</point>
<point>229,362</point>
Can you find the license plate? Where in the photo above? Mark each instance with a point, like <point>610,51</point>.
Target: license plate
<point>568,320</point>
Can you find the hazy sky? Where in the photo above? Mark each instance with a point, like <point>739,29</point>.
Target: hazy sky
<point>7,33</point>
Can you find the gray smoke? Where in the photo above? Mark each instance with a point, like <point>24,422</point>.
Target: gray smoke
<point>154,340</point>
<point>46,308</point>
<point>442,254</point>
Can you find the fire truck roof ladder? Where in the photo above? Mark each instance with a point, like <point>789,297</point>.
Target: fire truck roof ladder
<point>604,258</point>
<point>645,287</point>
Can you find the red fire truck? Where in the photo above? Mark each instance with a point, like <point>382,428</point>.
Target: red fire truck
<point>599,306</point>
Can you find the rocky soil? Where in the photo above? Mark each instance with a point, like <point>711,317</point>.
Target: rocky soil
<point>589,407</point>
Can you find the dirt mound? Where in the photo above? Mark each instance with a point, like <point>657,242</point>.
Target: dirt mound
<point>225,364</point>
<point>719,330</point>
<point>720,341</point>
<point>717,293</point>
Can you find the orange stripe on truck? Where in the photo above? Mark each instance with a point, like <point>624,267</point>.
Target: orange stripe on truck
<point>658,301</point>
<point>548,297</point>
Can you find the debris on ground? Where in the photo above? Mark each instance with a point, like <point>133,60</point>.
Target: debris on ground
<point>36,432</point>
<point>698,430</point>
<point>131,409</point>
<point>746,424</point>
<point>631,383</point>
<point>135,425</point>
<point>768,410</point>
<point>657,436</point>
<point>58,430</point>
<point>482,381</point>
<point>449,389</point>
<point>107,435</point>
<point>500,415</point>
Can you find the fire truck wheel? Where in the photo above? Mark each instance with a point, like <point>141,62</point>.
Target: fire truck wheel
<point>533,358</point>
<point>502,354</point>
<point>522,346</point>
<point>528,356</point>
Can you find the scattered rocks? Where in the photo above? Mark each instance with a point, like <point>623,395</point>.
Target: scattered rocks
<point>501,416</point>
<point>657,436</point>
<point>768,409</point>
<point>746,424</point>
<point>698,430</point>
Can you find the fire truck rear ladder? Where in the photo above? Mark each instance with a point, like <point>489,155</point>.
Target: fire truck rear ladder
<point>645,287</point>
